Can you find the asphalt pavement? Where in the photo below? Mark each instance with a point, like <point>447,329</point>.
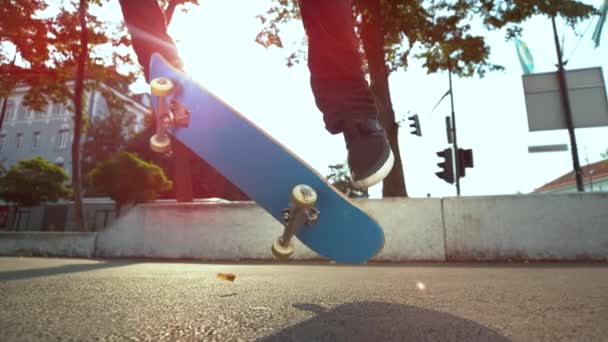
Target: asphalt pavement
<point>135,300</point>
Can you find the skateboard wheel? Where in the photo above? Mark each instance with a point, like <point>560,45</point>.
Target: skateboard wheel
<point>303,196</point>
<point>160,144</point>
<point>161,86</point>
<point>282,252</point>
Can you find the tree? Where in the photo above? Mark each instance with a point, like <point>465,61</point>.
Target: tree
<point>73,51</point>
<point>192,176</point>
<point>60,61</point>
<point>170,6</point>
<point>339,177</point>
<point>128,179</point>
<point>106,135</point>
<point>390,31</point>
<point>206,181</point>
<point>32,182</point>
<point>22,30</point>
<point>78,99</point>
<point>47,49</point>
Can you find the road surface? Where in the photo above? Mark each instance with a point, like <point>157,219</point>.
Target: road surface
<point>118,300</point>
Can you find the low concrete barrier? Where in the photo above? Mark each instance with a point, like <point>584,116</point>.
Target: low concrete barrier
<point>531,227</point>
<point>66,244</point>
<point>490,228</point>
<point>413,228</point>
<point>243,230</point>
<point>224,231</point>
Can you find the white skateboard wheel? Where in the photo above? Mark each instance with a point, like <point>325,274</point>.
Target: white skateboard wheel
<point>281,252</point>
<point>160,144</point>
<point>303,196</point>
<point>161,86</point>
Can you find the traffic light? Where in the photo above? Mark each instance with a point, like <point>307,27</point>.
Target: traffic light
<point>447,172</point>
<point>465,159</point>
<point>415,125</point>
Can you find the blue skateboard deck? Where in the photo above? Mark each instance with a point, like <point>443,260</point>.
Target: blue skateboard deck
<point>267,171</point>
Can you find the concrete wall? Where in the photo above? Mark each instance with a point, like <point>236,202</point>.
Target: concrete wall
<point>490,228</point>
<point>533,227</point>
<point>242,230</point>
<point>413,228</point>
<point>239,230</point>
<point>47,244</point>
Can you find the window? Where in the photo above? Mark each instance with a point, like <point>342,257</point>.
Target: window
<point>41,114</point>
<point>19,141</point>
<point>22,112</point>
<point>2,141</point>
<point>36,141</point>
<point>101,108</point>
<point>62,139</point>
<point>56,109</point>
<point>10,110</point>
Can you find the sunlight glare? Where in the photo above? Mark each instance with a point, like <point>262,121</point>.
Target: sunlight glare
<point>420,285</point>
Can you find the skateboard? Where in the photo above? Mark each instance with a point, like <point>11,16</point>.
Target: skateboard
<point>299,198</point>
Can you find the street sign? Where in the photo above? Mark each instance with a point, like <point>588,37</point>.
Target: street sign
<point>547,148</point>
<point>587,93</point>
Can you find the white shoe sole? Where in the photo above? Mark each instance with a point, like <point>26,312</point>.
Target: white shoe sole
<point>378,176</point>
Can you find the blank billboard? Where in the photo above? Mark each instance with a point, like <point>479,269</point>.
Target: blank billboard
<point>587,92</point>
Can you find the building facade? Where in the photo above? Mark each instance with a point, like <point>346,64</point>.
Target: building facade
<point>26,134</point>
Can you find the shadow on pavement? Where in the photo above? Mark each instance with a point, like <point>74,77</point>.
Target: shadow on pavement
<point>50,271</point>
<point>377,321</point>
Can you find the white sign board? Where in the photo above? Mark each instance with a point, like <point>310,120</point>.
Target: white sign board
<point>547,148</point>
<point>587,92</point>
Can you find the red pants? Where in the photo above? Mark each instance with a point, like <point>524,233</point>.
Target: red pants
<point>337,79</point>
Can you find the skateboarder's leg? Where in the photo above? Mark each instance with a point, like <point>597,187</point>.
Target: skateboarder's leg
<point>337,78</point>
<point>147,26</point>
<point>341,91</point>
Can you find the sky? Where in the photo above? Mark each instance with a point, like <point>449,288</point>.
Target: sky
<point>217,42</point>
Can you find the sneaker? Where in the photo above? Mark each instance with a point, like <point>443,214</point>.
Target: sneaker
<point>370,158</point>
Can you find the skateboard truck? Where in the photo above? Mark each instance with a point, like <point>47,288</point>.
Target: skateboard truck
<point>168,115</point>
<point>300,213</point>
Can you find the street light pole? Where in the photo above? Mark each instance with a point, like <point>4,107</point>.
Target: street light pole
<point>563,85</point>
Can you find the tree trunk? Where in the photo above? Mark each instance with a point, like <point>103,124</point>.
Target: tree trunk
<point>3,110</point>
<point>373,44</point>
<point>170,10</point>
<point>78,96</point>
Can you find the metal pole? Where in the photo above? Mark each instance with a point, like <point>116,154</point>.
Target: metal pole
<point>456,161</point>
<point>563,85</point>
<point>590,171</point>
